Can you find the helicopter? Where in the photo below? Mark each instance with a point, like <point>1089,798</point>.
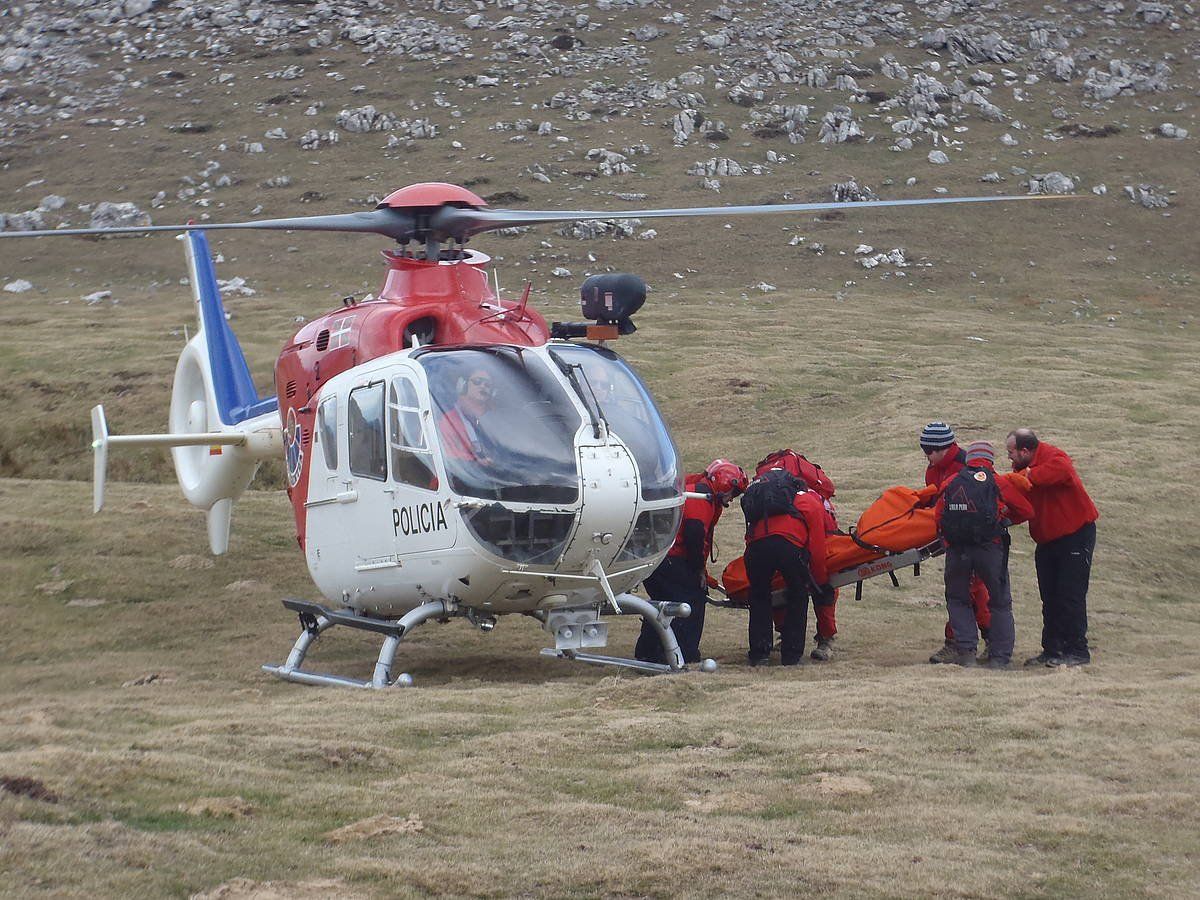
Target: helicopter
<point>448,454</point>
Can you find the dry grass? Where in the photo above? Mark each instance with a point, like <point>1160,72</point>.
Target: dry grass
<point>877,775</point>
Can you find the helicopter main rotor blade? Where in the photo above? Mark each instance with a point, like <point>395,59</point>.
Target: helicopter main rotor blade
<point>461,223</point>
<point>398,224</point>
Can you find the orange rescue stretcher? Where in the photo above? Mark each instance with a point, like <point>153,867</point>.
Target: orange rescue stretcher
<point>896,531</point>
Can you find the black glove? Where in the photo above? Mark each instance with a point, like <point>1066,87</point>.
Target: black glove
<point>824,595</point>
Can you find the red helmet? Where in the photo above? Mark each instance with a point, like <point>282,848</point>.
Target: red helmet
<point>727,479</point>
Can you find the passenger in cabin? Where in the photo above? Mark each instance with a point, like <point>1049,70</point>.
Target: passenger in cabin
<point>463,437</point>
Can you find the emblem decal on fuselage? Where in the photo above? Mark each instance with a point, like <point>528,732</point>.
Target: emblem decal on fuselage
<point>421,518</point>
<point>293,446</point>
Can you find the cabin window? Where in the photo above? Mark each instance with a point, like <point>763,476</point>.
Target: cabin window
<point>368,443</point>
<point>327,431</point>
<point>505,425</point>
<point>412,462</point>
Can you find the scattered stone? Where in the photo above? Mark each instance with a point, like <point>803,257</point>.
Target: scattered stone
<point>1051,183</point>
<point>365,119</point>
<point>313,139</point>
<point>31,220</point>
<point>96,297</point>
<point>118,215</point>
<point>938,158</point>
<point>838,126</point>
<point>1146,195</point>
<point>850,192</point>
<point>893,257</point>
<point>55,587</point>
<point>1167,130</point>
<point>720,167</point>
<point>18,286</point>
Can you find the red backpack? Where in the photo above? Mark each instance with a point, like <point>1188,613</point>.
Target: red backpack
<point>799,465</point>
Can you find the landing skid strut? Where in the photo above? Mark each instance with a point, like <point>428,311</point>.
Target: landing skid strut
<point>657,613</point>
<point>315,619</point>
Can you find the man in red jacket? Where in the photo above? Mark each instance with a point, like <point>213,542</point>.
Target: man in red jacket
<point>973,512</point>
<point>683,576</point>
<point>945,459</point>
<point>1064,529</point>
<point>793,544</point>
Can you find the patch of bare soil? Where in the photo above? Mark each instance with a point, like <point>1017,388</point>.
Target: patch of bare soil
<point>219,808</point>
<point>191,561</point>
<point>375,826</point>
<point>32,788</point>
<point>247,889</point>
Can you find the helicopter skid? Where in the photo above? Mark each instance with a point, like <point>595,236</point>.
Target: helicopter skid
<point>620,661</point>
<point>658,614</point>
<point>316,619</point>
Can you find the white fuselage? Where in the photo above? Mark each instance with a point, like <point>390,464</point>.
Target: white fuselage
<point>385,542</point>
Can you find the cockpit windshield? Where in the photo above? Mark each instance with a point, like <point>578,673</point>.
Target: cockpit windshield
<point>505,423</point>
<point>630,413</point>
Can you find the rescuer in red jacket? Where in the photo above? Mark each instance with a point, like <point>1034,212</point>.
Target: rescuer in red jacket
<point>1064,529</point>
<point>973,512</point>
<point>945,458</point>
<point>792,544</point>
<point>682,577</point>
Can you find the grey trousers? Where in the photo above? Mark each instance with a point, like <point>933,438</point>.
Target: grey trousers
<point>990,562</point>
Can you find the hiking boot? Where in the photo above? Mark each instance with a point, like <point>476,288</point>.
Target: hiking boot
<point>799,661</point>
<point>1042,659</point>
<point>994,662</point>
<point>757,661</point>
<point>986,656</point>
<point>966,659</point>
<point>823,652</point>
<point>1068,659</point>
<point>948,654</point>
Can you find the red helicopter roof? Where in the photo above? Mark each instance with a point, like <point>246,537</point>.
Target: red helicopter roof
<point>430,193</point>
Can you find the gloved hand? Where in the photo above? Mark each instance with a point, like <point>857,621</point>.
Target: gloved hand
<point>824,595</point>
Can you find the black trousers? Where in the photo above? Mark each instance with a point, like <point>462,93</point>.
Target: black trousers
<point>674,581</point>
<point>764,558</point>
<point>989,563</point>
<point>1064,567</point>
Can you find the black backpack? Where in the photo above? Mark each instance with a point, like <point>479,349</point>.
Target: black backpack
<point>971,511</point>
<point>773,493</point>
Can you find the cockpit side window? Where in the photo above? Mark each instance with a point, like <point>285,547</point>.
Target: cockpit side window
<point>630,413</point>
<point>412,462</point>
<point>368,443</point>
<point>327,431</point>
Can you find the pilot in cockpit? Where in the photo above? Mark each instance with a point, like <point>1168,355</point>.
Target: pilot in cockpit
<point>463,437</point>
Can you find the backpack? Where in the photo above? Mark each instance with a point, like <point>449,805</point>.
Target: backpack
<point>800,466</point>
<point>971,510</point>
<point>773,493</point>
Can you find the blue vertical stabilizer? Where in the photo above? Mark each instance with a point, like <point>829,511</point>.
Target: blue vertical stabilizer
<point>236,397</point>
